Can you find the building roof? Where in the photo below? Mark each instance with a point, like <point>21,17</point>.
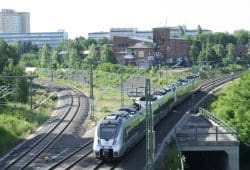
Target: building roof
<point>141,39</point>
<point>139,45</point>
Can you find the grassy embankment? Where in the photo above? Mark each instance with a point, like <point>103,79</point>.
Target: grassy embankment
<point>232,105</point>
<point>17,121</point>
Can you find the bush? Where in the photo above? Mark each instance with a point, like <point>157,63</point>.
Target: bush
<point>233,107</point>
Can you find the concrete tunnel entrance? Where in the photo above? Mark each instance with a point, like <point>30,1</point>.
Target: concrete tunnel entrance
<point>206,160</point>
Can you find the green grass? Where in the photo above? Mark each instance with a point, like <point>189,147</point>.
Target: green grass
<point>106,94</point>
<point>16,122</point>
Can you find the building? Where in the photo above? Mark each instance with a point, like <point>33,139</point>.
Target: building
<point>142,52</point>
<point>169,50</point>
<point>98,35</point>
<point>39,38</point>
<point>120,47</point>
<point>176,33</point>
<point>143,55</point>
<point>122,32</point>
<point>14,22</point>
<point>134,32</point>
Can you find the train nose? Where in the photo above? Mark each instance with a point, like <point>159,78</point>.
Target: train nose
<point>107,153</point>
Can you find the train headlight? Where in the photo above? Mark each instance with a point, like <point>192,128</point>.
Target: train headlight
<point>114,142</point>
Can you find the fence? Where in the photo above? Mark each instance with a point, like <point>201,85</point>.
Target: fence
<point>212,117</point>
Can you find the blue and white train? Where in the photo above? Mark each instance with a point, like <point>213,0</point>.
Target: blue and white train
<point>119,131</point>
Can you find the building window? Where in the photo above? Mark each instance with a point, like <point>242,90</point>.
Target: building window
<point>140,53</point>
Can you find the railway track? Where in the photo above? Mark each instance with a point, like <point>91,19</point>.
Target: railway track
<point>105,165</point>
<point>208,84</point>
<point>71,109</point>
<point>135,159</point>
<point>74,157</point>
<point>84,152</point>
<point>112,165</point>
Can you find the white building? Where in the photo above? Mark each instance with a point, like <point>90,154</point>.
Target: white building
<point>38,38</point>
<point>133,32</point>
<point>14,22</point>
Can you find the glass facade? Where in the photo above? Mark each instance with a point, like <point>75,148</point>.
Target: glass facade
<point>39,39</point>
<point>133,32</point>
<point>14,22</point>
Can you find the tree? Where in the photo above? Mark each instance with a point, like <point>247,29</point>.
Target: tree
<point>13,54</point>
<point>181,31</point>
<point>233,107</point>
<point>3,54</point>
<point>219,52</point>
<point>229,58</point>
<point>199,30</point>
<point>107,55</point>
<point>224,38</point>
<point>89,42</point>
<point>247,57</point>
<point>93,56</point>
<point>44,55</point>
<point>21,85</point>
<point>210,53</point>
<point>194,52</point>
<point>54,59</point>
<point>74,58</point>
<point>242,36</point>
<point>103,41</point>
<point>30,60</point>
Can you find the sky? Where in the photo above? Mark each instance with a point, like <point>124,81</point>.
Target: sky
<point>79,17</point>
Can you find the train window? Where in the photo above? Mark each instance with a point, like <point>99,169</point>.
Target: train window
<point>108,131</point>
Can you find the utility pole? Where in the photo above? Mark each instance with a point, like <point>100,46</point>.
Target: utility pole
<point>51,70</point>
<point>122,97</point>
<point>150,133</point>
<point>91,92</point>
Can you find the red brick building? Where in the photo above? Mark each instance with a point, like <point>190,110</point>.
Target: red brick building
<point>121,48</point>
<point>161,50</point>
<point>142,53</point>
<point>169,50</point>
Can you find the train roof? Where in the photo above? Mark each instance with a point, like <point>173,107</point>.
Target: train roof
<point>152,98</point>
<point>130,108</point>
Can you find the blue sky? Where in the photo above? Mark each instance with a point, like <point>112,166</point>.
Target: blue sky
<point>78,17</point>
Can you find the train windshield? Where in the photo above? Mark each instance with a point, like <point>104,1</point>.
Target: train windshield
<point>108,131</point>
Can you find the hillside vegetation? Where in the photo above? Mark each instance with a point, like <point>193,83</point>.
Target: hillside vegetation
<point>233,106</point>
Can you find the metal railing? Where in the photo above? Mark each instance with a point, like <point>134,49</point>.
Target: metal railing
<point>197,134</point>
<point>212,117</point>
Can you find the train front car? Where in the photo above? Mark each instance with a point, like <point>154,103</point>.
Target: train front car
<point>108,138</point>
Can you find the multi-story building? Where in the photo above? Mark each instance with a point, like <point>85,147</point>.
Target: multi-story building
<point>161,50</point>
<point>176,33</point>
<point>133,32</point>
<point>39,38</point>
<point>14,22</point>
<point>169,50</point>
<point>98,35</point>
<point>122,32</point>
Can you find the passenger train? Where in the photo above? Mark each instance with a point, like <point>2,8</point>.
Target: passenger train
<point>118,132</point>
